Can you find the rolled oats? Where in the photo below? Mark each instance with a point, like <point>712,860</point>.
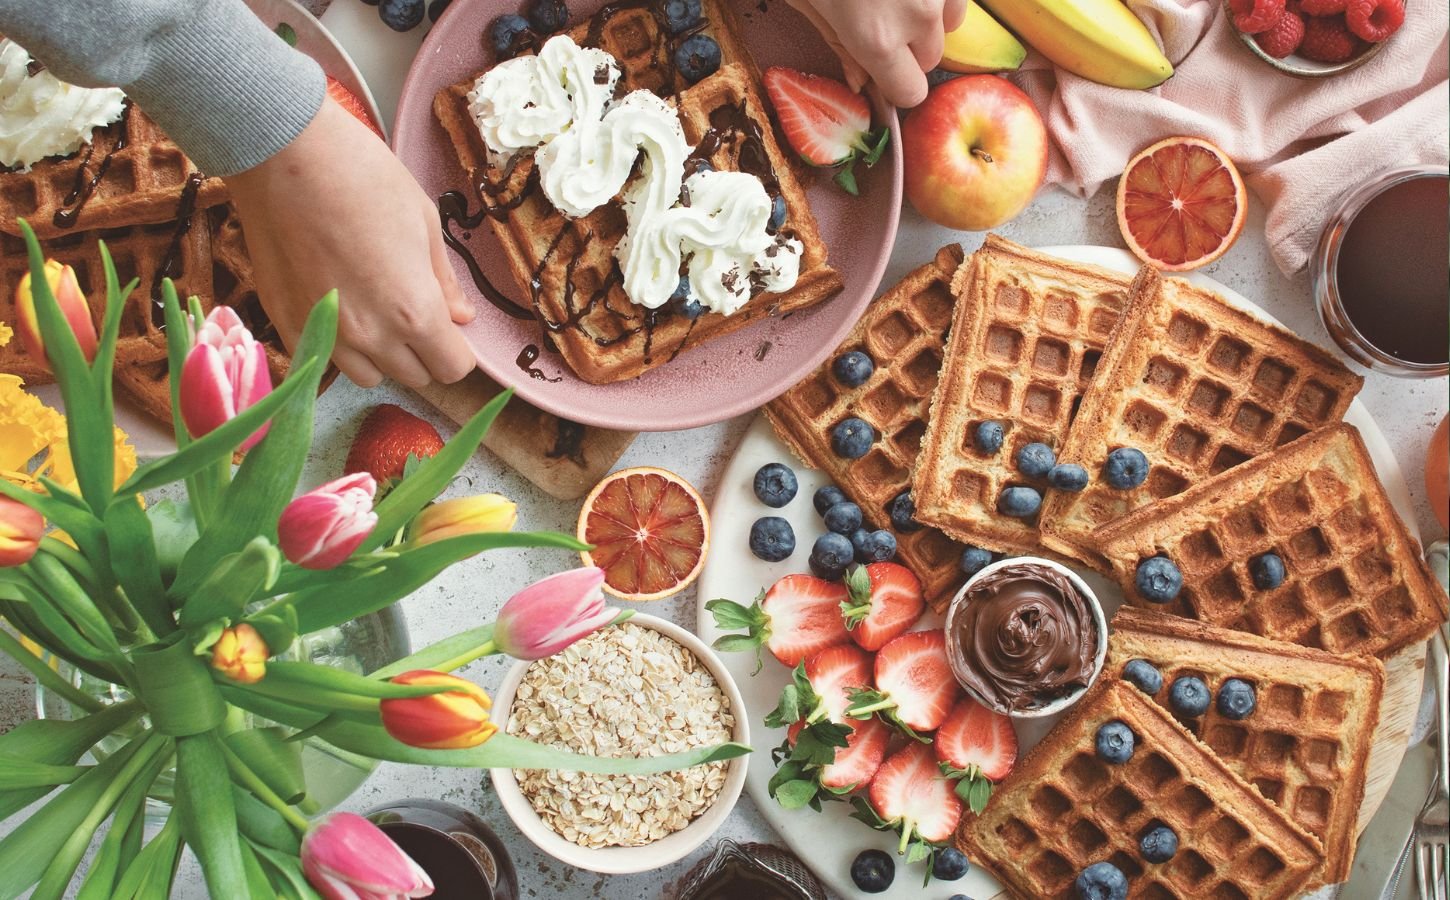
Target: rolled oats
<point>626,691</point>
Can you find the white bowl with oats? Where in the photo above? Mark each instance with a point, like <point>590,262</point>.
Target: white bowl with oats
<point>644,687</point>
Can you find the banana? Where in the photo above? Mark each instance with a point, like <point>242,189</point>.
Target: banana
<point>979,44</point>
<point>1101,40</point>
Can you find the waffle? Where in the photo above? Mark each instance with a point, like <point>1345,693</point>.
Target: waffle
<point>1306,745</point>
<point>1355,583</point>
<point>1064,809</point>
<point>1028,332</point>
<point>130,173</point>
<point>1199,386</point>
<point>903,331</point>
<point>567,266</point>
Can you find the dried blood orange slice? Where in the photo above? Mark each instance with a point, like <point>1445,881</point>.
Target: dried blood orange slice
<point>650,532</point>
<point>1181,204</point>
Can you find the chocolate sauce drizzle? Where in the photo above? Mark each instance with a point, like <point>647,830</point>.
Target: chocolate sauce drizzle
<point>185,212</point>
<point>87,180</point>
<point>453,208</point>
<point>525,361</point>
<point>568,442</point>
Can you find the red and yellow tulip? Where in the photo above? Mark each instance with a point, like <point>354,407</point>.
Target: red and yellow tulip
<point>451,720</point>
<point>241,654</point>
<point>73,305</point>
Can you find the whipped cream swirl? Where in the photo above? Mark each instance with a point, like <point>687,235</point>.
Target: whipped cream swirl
<point>562,103</point>
<point>42,116</point>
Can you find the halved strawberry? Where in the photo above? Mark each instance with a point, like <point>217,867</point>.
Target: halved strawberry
<point>857,762</point>
<point>885,601</point>
<point>797,618</point>
<point>821,685</point>
<point>976,746</point>
<point>826,122</point>
<point>352,103</point>
<point>909,796</point>
<point>915,688</point>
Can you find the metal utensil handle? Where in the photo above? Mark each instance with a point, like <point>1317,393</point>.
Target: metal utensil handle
<point>1442,707</point>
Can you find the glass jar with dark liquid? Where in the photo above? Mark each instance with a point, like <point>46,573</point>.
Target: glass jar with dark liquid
<point>1381,273</point>
<point>462,855</point>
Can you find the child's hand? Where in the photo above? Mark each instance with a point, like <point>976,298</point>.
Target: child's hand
<point>336,209</point>
<point>891,42</point>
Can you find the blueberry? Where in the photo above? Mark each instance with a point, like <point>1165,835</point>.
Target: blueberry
<point>830,556</point>
<point>1035,460</point>
<point>988,437</point>
<point>401,15</point>
<point>697,57</point>
<point>548,15</point>
<point>852,438</point>
<point>1019,502</point>
<point>1159,844</point>
<point>843,518</point>
<point>680,14</point>
<point>777,214</point>
<point>860,543</point>
<point>1188,696</point>
<point>853,368</point>
<point>975,559</point>
<point>505,32</point>
<point>880,547</point>
<point>902,511</point>
<point>1236,699</point>
<point>1115,742</point>
<point>1268,571</point>
<point>683,303</point>
<point>1101,881</point>
<point>1144,674</point>
<point>1126,468</point>
<point>959,897</point>
<point>772,539</point>
<point>775,485</point>
<point>949,864</point>
<point>1068,477</point>
<point>873,871</point>
<point>1158,579</point>
<point>436,8</point>
<point>827,497</point>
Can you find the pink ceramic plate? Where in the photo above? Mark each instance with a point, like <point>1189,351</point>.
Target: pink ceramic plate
<point>725,377</point>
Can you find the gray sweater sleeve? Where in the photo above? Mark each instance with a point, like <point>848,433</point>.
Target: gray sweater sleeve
<point>222,85</point>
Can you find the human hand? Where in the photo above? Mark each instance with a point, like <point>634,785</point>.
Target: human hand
<point>892,42</point>
<point>336,209</point>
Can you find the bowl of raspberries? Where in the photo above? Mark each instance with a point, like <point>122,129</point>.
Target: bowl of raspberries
<point>1315,38</point>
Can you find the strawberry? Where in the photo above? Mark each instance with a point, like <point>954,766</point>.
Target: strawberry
<point>915,687</point>
<point>856,764</point>
<point>976,746</point>
<point>388,441</point>
<point>910,797</point>
<point>824,751</point>
<point>826,122</point>
<point>820,686</point>
<point>797,618</point>
<point>885,601</point>
<point>352,103</point>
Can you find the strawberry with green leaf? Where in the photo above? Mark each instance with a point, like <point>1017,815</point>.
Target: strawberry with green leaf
<point>827,123</point>
<point>977,747</point>
<point>797,618</point>
<point>915,687</point>
<point>883,601</point>
<point>910,797</point>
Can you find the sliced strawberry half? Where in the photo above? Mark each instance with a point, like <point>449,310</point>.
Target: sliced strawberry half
<point>857,762</point>
<point>912,798</point>
<point>352,103</point>
<point>915,688</point>
<point>826,122</point>
<point>977,747</point>
<point>884,601</point>
<point>797,618</point>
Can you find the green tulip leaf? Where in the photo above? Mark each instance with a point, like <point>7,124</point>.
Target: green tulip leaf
<point>439,656</point>
<point>238,579</point>
<point>173,531</point>
<point>278,629</point>
<point>262,825</point>
<point>151,871</point>
<point>121,841</point>
<point>133,557</point>
<point>279,764</point>
<point>290,881</point>
<point>208,818</point>
<point>176,686</point>
<point>258,884</point>
<point>80,524</point>
<point>309,678</point>
<point>18,774</point>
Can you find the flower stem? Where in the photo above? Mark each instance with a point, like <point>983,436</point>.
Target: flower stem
<point>487,648</point>
<point>46,676</point>
<point>253,782</point>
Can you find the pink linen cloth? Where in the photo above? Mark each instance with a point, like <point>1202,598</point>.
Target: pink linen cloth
<point>1300,143</point>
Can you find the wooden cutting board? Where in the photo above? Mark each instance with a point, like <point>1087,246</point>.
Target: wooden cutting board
<point>565,459</point>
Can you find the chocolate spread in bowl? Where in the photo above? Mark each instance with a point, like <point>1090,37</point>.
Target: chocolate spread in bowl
<point>1022,636</point>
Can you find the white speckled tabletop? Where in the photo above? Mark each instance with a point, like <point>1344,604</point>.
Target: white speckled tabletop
<point>471,592</point>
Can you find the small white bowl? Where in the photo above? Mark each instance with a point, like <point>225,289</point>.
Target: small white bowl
<point>1099,621</point>
<point>628,860</point>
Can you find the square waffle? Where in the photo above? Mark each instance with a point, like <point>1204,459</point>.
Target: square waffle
<point>1305,746</point>
<point>903,331</point>
<point>1063,809</point>
<point>1028,333</point>
<point>1199,386</point>
<point>568,267</point>
<point>1355,581</point>
<point>129,173</point>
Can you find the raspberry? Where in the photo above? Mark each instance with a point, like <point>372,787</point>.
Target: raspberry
<point>1323,7</point>
<point>1374,20</point>
<point>1284,38</point>
<point>1254,16</point>
<point>1327,40</point>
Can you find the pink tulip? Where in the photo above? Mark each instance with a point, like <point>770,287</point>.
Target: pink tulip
<point>551,614</point>
<point>225,372</point>
<point>21,529</point>
<point>321,528</point>
<point>346,857</point>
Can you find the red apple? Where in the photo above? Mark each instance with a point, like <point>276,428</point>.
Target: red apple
<point>975,153</point>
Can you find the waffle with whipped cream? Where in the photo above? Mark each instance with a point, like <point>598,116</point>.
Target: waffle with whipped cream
<point>599,245</point>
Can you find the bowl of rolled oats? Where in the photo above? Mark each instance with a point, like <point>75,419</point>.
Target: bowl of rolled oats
<point>642,688</point>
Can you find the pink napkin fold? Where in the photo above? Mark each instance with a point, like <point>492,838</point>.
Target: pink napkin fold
<point>1300,143</point>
